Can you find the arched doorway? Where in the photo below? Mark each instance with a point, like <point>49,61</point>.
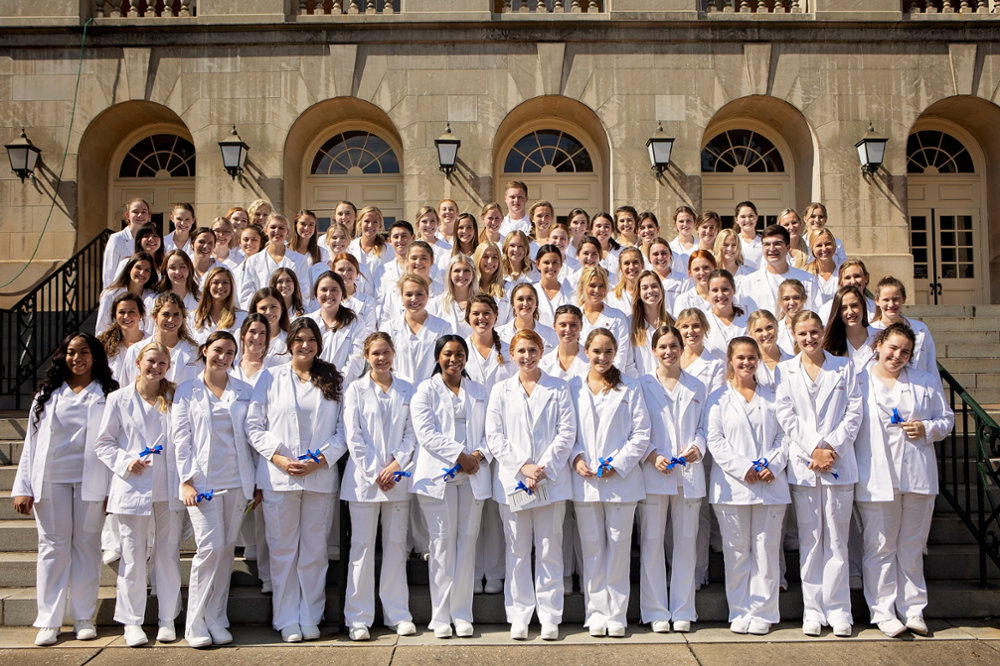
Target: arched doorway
<point>558,148</point>
<point>944,174</point>
<point>744,164</point>
<point>356,165</point>
<point>158,164</point>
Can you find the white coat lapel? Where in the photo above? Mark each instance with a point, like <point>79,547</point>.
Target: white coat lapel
<point>606,411</point>
<point>739,404</point>
<point>134,414</point>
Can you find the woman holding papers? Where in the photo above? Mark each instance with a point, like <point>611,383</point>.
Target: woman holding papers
<point>531,431</point>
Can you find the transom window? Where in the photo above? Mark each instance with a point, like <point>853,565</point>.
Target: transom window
<point>548,150</point>
<point>931,151</point>
<point>739,151</point>
<point>354,153</point>
<point>159,156</point>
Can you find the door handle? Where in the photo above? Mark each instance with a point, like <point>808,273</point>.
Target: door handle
<point>935,288</point>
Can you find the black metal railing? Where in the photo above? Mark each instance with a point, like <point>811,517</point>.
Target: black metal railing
<point>968,462</point>
<point>32,329</point>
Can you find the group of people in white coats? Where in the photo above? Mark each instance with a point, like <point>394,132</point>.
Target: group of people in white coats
<point>483,395</point>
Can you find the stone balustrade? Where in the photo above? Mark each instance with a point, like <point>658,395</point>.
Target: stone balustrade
<point>918,7</point>
<point>755,6</point>
<point>341,7</point>
<point>144,8</point>
<point>549,6</point>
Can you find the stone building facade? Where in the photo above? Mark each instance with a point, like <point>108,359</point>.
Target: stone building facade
<point>765,99</point>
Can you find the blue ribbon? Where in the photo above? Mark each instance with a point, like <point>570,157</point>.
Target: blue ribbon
<point>760,465</point>
<point>311,455</point>
<point>205,496</point>
<point>521,486</point>
<point>157,450</point>
<point>604,466</point>
<point>396,476</point>
<point>896,418</point>
<point>449,473</point>
<point>834,473</point>
<point>674,462</point>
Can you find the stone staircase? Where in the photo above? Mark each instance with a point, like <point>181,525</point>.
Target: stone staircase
<point>951,565</point>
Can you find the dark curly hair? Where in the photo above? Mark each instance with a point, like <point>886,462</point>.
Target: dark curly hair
<point>323,374</point>
<point>58,371</point>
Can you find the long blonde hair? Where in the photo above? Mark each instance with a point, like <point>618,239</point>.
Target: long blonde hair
<point>380,243</point>
<point>622,280</point>
<point>527,265</point>
<point>586,275</point>
<point>449,289</point>
<point>204,311</point>
<point>165,391</point>
<point>720,240</point>
<point>813,265</point>
<point>495,286</point>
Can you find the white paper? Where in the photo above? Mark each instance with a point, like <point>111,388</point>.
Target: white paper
<point>520,499</point>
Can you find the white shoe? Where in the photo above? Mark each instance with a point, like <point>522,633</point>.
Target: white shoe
<point>616,629</point>
<point>463,629</point>
<point>519,631</point>
<point>292,634</point>
<point>84,630</point>
<point>493,587</point>
<point>477,587</point>
<point>917,625</point>
<point>310,632</point>
<point>891,628</point>
<point>166,632</point>
<point>758,627</point>
<point>810,628</point>
<point>740,625</point>
<point>220,636</point>
<point>406,628</point>
<point>660,626</point>
<point>550,631</point>
<point>266,588</point>
<point>359,634</point>
<point>47,636</point>
<point>682,626</point>
<point>111,556</point>
<point>843,630</point>
<point>598,629</point>
<point>134,635</point>
<point>443,632</point>
<point>567,586</point>
<point>199,641</point>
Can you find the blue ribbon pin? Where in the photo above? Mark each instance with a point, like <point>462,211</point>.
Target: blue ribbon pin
<point>396,476</point>
<point>674,462</point>
<point>311,455</point>
<point>604,466</point>
<point>834,473</point>
<point>760,465</point>
<point>896,418</point>
<point>449,473</point>
<point>205,496</point>
<point>521,486</point>
<point>156,450</point>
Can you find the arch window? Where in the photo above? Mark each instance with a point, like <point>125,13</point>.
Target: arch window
<point>931,151</point>
<point>355,153</point>
<point>741,151</point>
<point>159,156</point>
<point>548,151</point>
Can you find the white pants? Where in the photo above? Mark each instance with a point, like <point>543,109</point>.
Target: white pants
<point>895,536</point>
<point>69,554</point>
<point>606,541</point>
<point>490,549</point>
<point>296,523</point>
<point>684,517</point>
<point>110,541</point>
<point>216,525</point>
<point>453,528</point>
<point>571,549</point>
<point>824,518</point>
<point>541,527</point>
<point>253,534</point>
<point>130,599</point>
<point>751,539</point>
<point>359,610</point>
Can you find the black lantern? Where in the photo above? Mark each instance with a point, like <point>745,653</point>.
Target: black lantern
<point>23,156</point>
<point>659,147</point>
<point>234,154</point>
<point>871,150</point>
<point>447,147</point>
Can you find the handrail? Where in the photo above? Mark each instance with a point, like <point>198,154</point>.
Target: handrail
<point>958,483</point>
<point>31,331</point>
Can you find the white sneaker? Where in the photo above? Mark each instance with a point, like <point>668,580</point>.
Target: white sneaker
<point>406,628</point>
<point>758,627</point>
<point>493,587</point>
<point>310,632</point>
<point>111,556</point>
<point>519,631</point>
<point>598,629</point>
<point>166,632</point>
<point>477,587</point>
<point>550,631</point>
<point>842,629</point>
<point>616,629</point>
<point>660,626</point>
<point>811,628</point>
<point>47,636</point>
<point>134,635</point>
<point>443,632</point>
<point>266,588</point>
<point>463,629</point>
<point>917,625</point>
<point>84,630</point>
<point>682,626</point>
<point>359,634</point>
<point>220,636</point>
<point>292,634</point>
<point>199,641</point>
<point>891,628</point>
<point>740,625</point>
<point>567,586</point>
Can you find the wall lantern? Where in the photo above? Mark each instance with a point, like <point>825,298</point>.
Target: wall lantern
<point>447,147</point>
<point>23,156</point>
<point>234,154</point>
<point>871,150</point>
<point>660,147</point>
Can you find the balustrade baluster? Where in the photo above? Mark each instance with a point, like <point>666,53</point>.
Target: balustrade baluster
<point>948,7</point>
<point>745,7</point>
<point>353,9</point>
<point>558,7</point>
<point>99,9</point>
<point>593,7</point>
<point>185,8</point>
<point>779,7</point>
<point>371,7</point>
<point>133,11</point>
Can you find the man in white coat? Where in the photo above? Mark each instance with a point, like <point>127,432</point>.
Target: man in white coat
<point>762,285</point>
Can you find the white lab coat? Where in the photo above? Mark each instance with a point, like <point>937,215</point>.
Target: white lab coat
<point>415,353</point>
<point>579,368</point>
<point>762,287</point>
<point>201,334</point>
<point>719,333</point>
<point>549,338</point>
<point>487,371</point>
<point>765,376</point>
<point>273,427</point>
<point>184,362</point>
<point>105,317</point>
<point>709,370</point>
<point>343,347</point>
<point>257,271</point>
<point>833,418</point>
<point>434,424</point>
<point>670,439</point>
<point>924,351</point>
<point>371,261</point>
<point>546,438</point>
<point>366,307</point>
<point>120,246</point>
<point>452,313</point>
<point>375,438</point>
<point>619,430</point>
<point>547,306</point>
<point>191,425</point>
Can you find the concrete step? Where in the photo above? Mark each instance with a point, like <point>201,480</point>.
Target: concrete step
<point>7,474</point>
<point>947,529</point>
<point>987,343</point>
<point>936,324</point>
<point>7,508</point>
<point>971,365</point>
